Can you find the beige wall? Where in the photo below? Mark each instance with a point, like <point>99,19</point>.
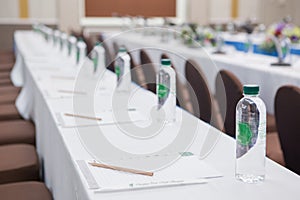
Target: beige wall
<point>198,11</point>
<point>219,10</point>
<point>274,10</point>
<point>264,11</point>
<point>42,9</point>
<point>68,15</point>
<point>37,9</point>
<point>201,11</point>
<point>250,9</point>
<point>9,8</point>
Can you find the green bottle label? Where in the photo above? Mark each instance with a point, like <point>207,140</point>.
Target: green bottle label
<point>95,61</point>
<point>77,55</point>
<point>118,71</point>
<point>245,134</point>
<point>162,91</point>
<point>247,46</point>
<point>69,48</point>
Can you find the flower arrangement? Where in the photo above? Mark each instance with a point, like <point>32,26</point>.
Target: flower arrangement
<point>281,30</point>
<point>192,35</point>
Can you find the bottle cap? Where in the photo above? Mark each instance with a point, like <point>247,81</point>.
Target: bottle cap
<point>251,89</point>
<point>166,62</point>
<point>122,49</point>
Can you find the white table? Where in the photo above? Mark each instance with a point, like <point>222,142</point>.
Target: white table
<point>250,69</point>
<point>60,147</point>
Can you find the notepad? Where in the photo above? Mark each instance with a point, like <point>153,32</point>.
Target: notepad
<point>187,170</point>
<point>107,118</point>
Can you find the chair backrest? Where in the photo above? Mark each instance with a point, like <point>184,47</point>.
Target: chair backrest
<point>229,90</point>
<point>116,48</point>
<point>87,39</point>
<point>109,57</point>
<point>135,71</point>
<point>148,71</point>
<point>287,114</point>
<point>197,87</point>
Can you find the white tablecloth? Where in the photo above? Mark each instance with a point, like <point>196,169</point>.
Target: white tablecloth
<point>59,147</point>
<point>250,69</point>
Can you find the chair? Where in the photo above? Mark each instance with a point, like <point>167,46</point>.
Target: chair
<point>202,102</point>
<point>182,95</point>
<point>19,162</point>
<point>9,89</point>
<point>7,57</point>
<point>4,74</point>
<point>148,71</point>
<point>137,75</point>
<point>109,57</point>
<point>273,148</point>
<point>29,190</point>
<point>89,43</point>
<point>8,98</point>
<point>17,131</point>
<point>5,81</point>
<point>9,112</point>
<point>116,48</point>
<point>6,67</point>
<point>229,91</point>
<point>287,109</point>
<point>87,40</point>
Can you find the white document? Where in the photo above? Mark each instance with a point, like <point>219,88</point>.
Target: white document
<point>107,117</point>
<point>186,171</point>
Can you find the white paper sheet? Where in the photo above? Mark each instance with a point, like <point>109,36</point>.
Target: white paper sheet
<point>107,117</point>
<point>187,170</point>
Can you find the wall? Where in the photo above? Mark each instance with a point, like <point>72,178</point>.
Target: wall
<point>250,9</point>
<point>68,15</point>
<point>219,10</point>
<point>263,11</point>
<point>9,8</point>
<point>198,11</point>
<point>274,10</point>
<point>42,9</point>
<point>37,9</point>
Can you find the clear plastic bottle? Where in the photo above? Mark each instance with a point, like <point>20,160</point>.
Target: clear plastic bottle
<point>64,44</point>
<point>56,38</point>
<point>250,136</point>
<point>122,70</point>
<point>80,52</point>
<point>98,57</point>
<point>166,92</point>
<point>72,49</point>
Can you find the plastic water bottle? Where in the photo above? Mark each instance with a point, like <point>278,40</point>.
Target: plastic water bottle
<point>98,58</point>
<point>64,44</point>
<point>72,49</point>
<point>166,92</point>
<point>122,70</point>
<point>250,136</point>
<point>80,52</point>
<point>48,35</point>
<point>56,38</point>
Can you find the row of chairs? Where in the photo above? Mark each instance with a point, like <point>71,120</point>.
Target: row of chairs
<point>19,166</point>
<point>219,109</point>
